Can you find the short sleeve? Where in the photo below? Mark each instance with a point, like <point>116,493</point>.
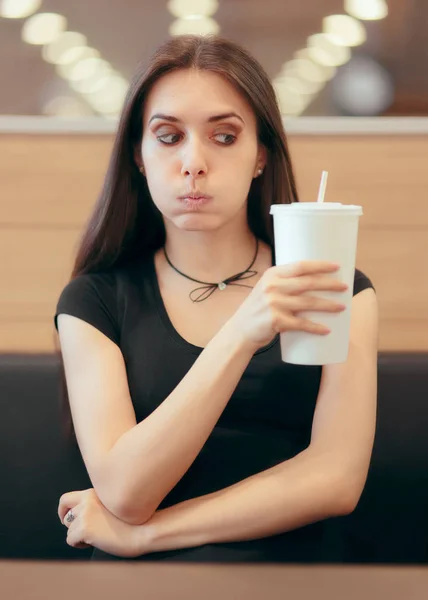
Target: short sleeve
<point>92,298</point>
<point>361,282</point>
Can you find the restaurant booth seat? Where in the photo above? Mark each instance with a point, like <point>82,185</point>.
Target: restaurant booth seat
<point>39,462</point>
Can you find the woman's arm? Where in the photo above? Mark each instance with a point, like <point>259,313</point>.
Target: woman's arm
<point>324,480</point>
<point>134,466</point>
<point>295,493</point>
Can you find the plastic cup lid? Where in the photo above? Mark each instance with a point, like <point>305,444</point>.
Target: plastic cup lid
<point>316,207</point>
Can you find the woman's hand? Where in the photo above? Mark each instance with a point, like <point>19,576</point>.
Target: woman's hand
<point>94,525</point>
<point>273,305</point>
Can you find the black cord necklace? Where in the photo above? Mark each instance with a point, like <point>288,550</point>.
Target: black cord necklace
<point>207,289</point>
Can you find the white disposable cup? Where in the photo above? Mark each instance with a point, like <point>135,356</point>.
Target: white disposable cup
<point>313,231</point>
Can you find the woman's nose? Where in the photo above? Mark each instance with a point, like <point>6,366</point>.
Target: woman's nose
<point>193,160</point>
<point>193,171</point>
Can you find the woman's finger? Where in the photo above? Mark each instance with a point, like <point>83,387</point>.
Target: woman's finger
<point>292,323</point>
<point>71,515</point>
<point>67,501</point>
<point>308,283</point>
<point>301,303</point>
<point>306,267</point>
<point>74,537</point>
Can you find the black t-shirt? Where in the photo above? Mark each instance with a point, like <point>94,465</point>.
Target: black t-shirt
<point>267,420</point>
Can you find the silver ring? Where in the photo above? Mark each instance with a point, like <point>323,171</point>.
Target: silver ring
<point>70,517</point>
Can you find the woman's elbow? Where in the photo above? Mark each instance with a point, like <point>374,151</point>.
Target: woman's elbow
<point>117,498</point>
<point>122,511</point>
<point>348,496</point>
<point>131,511</point>
<point>134,518</point>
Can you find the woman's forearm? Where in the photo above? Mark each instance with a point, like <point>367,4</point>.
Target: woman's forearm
<point>149,460</point>
<point>300,491</point>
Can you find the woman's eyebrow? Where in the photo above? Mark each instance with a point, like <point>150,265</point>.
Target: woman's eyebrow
<point>212,119</point>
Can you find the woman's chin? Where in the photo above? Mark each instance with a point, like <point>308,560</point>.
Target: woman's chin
<point>197,222</point>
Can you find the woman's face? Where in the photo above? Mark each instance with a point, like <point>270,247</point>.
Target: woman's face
<point>199,138</point>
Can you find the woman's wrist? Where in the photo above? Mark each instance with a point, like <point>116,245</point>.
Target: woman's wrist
<point>170,529</point>
<point>144,540</point>
<point>234,334</point>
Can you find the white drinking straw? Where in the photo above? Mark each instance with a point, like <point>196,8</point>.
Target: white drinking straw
<point>323,185</point>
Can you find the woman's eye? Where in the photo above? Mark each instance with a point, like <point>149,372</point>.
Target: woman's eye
<point>172,138</point>
<point>226,138</point>
<point>168,138</point>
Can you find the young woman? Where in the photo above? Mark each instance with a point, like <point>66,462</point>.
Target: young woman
<point>201,444</point>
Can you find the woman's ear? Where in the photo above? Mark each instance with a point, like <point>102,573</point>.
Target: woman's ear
<point>139,161</point>
<point>261,161</point>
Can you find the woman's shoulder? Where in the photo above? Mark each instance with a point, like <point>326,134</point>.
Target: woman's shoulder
<point>95,284</point>
<point>91,297</point>
<point>361,282</point>
<point>99,297</point>
<point>106,282</point>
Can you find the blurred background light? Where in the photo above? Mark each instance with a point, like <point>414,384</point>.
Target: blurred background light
<point>367,10</point>
<point>196,24</point>
<point>323,49</point>
<point>303,77</point>
<point>328,72</point>
<point>18,9</point>
<point>184,8</point>
<point>291,102</point>
<point>113,87</point>
<point>87,68</point>
<point>306,69</point>
<point>43,28</point>
<point>58,51</point>
<point>66,106</point>
<point>73,56</point>
<point>91,84</point>
<point>363,88</point>
<point>345,30</point>
<point>84,76</point>
<point>109,99</point>
<point>298,84</point>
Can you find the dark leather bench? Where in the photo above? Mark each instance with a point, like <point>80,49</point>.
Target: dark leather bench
<point>38,463</point>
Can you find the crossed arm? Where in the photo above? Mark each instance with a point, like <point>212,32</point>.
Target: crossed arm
<point>324,480</point>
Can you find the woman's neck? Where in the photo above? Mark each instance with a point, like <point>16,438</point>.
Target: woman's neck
<point>210,256</point>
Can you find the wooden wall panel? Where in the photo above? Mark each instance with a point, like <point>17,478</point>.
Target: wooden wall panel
<point>49,185</point>
<point>361,159</point>
<point>396,261</point>
<point>55,180</point>
<point>50,180</point>
<point>32,336</point>
<point>386,175</point>
<point>39,264</point>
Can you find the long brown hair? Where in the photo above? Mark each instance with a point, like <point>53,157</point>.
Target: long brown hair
<point>125,223</point>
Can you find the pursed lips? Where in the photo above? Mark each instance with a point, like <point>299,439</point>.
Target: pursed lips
<point>194,196</point>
